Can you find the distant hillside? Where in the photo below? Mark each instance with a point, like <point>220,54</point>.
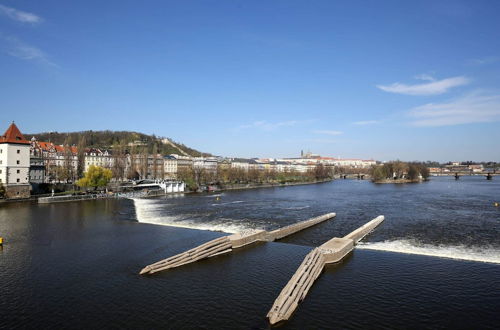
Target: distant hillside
<point>132,141</point>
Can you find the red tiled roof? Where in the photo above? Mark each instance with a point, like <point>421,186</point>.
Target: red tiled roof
<point>13,135</point>
<point>47,146</point>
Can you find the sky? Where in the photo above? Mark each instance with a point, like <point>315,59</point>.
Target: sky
<point>409,80</point>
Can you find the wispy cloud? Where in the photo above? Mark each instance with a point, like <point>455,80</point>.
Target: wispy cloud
<point>366,122</point>
<point>484,60</point>
<point>16,48</point>
<point>425,76</point>
<point>20,16</point>
<point>268,126</point>
<point>473,108</point>
<point>328,132</point>
<point>431,88</point>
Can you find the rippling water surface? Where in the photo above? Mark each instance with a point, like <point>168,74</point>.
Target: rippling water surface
<point>75,265</point>
<point>443,217</point>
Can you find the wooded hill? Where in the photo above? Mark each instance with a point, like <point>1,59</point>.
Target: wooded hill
<point>132,141</point>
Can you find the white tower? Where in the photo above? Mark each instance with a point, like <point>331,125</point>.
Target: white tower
<point>15,163</point>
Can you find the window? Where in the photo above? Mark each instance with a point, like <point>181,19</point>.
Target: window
<point>18,151</point>
<point>18,171</point>
<point>18,180</point>
<point>17,162</point>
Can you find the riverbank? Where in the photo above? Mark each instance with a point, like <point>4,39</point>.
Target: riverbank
<point>235,187</point>
<point>399,181</point>
<point>244,186</point>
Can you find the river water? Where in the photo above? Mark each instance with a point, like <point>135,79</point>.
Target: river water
<point>433,263</point>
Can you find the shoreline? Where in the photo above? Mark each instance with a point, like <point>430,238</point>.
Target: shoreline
<point>155,193</point>
<point>400,181</point>
<point>272,185</point>
<point>246,186</point>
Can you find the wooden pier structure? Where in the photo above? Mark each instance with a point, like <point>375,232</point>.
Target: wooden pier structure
<point>332,251</point>
<point>226,244</point>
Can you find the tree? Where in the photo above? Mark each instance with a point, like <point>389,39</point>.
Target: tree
<point>399,168</point>
<point>424,172</point>
<point>80,168</point>
<point>95,177</point>
<point>413,172</point>
<point>119,161</point>
<point>69,170</point>
<point>187,175</point>
<point>378,173</point>
<point>62,173</point>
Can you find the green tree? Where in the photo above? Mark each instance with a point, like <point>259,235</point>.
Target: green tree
<point>187,175</point>
<point>95,177</point>
<point>378,173</point>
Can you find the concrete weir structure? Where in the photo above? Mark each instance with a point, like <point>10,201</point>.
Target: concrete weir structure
<point>226,244</point>
<point>332,251</point>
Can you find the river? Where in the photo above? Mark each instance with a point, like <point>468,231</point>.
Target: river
<point>433,263</point>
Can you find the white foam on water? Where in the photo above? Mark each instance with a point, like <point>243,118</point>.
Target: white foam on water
<point>461,252</point>
<point>297,207</point>
<point>227,203</point>
<point>148,211</point>
<point>229,226</point>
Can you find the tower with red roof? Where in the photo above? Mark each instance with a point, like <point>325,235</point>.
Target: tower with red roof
<point>15,163</point>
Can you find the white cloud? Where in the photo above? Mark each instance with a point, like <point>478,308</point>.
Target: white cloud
<point>267,126</point>
<point>473,108</point>
<point>20,16</point>
<point>327,132</point>
<point>366,122</point>
<point>430,88</point>
<point>16,48</point>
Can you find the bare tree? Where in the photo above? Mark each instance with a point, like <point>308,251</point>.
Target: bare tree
<point>82,144</point>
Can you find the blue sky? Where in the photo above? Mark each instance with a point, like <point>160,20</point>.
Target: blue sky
<point>387,80</point>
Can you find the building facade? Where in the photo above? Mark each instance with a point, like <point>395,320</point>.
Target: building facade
<point>14,163</point>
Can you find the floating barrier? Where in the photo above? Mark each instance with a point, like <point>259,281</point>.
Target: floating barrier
<point>297,288</point>
<point>228,243</point>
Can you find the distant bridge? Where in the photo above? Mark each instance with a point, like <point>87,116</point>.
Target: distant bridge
<point>354,176</point>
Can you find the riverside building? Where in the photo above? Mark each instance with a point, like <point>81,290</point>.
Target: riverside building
<point>15,163</point>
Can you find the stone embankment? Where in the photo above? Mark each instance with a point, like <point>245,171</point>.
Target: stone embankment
<point>332,251</point>
<point>66,198</point>
<point>228,243</point>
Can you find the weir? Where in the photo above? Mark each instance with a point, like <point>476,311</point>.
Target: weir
<point>332,251</point>
<point>226,244</point>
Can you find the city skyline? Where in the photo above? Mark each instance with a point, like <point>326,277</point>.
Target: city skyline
<point>385,81</point>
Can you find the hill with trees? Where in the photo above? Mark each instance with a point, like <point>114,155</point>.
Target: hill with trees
<point>122,139</point>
